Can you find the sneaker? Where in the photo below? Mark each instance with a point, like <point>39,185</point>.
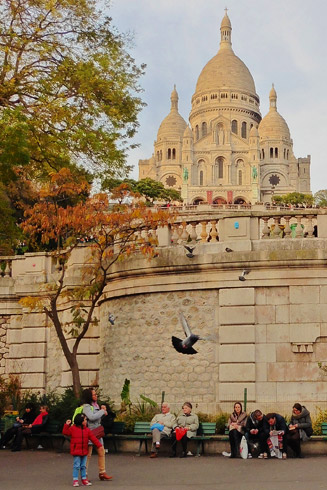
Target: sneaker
<point>227,455</point>
<point>249,456</point>
<point>86,483</point>
<point>189,453</point>
<point>260,456</point>
<point>284,456</point>
<point>157,444</point>
<point>153,455</point>
<point>75,483</point>
<point>273,454</point>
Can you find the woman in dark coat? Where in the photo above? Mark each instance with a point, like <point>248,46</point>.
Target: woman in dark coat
<point>300,428</point>
<point>236,425</point>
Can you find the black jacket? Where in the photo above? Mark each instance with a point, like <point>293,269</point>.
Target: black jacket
<point>261,425</point>
<point>280,424</point>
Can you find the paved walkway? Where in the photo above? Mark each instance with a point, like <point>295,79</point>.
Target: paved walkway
<point>41,470</point>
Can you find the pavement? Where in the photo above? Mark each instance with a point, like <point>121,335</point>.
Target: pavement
<point>43,470</point>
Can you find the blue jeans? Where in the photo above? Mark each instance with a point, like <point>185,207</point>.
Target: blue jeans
<point>79,466</point>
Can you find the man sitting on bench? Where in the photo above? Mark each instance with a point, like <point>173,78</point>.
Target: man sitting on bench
<point>161,426</point>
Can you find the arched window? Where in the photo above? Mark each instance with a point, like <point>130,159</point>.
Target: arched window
<point>201,177</point>
<point>243,129</point>
<point>169,154</point>
<point>287,154</point>
<point>234,126</point>
<point>160,154</point>
<point>240,177</point>
<point>271,153</point>
<point>284,153</point>
<point>174,153</point>
<point>196,132</point>
<point>263,153</point>
<point>276,152</point>
<point>204,129</point>
<point>219,168</point>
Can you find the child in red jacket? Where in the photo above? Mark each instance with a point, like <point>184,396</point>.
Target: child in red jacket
<point>80,435</point>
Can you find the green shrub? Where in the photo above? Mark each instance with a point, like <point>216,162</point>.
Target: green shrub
<point>317,420</point>
<point>219,418</point>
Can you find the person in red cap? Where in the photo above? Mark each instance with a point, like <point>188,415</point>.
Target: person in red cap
<point>187,425</point>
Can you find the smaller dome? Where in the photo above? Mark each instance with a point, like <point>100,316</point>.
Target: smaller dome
<point>226,22</point>
<point>173,125</point>
<point>273,126</point>
<point>254,132</point>
<point>188,132</point>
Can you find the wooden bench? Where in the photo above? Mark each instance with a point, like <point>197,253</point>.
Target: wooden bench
<point>117,430</point>
<point>51,437</point>
<point>142,433</point>
<point>205,432</point>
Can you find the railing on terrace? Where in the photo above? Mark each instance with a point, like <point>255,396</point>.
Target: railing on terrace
<point>5,266</point>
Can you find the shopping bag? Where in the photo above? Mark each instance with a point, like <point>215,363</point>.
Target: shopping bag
<point>243,448</point>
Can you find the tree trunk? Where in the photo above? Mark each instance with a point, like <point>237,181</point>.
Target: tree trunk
<point>77,387</point>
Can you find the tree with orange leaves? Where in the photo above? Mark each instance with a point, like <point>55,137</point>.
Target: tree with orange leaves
<point>110,233</point>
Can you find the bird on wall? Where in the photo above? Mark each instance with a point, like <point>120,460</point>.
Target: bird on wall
<point>111,319</point>
<point>185,346</point>
<point>242,276</point>
<point>190,254</point>
<point>228,250</point>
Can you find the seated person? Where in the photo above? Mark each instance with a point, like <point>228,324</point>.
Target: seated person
<point>166,421</point>
<point>190,423</point>
<point>107,421</point>
<point>257,432</point>
<point>236,425</point>
<point>26,419</point>
<point>277,440</point>
<point>34,428</point>
<point>299,429</point>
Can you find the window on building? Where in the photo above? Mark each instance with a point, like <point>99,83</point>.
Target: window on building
<point>219,168</point>
<point>271,153</point>
<point>243,129</point>
<point>240,177</point>
<point>204,129</point>
<point>201,177</point>
<point>234,126</point>
<point>174,153</point>
<point>287,154</point>
<point>160,154</point>
<point>196,132</point>
<point>276,152</point>
<point>169,154</point>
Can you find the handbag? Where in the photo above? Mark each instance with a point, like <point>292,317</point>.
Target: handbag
<point>157,426</point>
<point>98,432</point>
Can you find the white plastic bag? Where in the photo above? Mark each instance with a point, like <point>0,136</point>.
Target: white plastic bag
<point>243,448</point>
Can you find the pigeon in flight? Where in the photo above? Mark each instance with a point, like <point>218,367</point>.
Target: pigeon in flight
<point>190,254</point>
<point>185,346</point>
<point>242,276</point>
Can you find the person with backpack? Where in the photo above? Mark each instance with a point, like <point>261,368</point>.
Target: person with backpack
<point>80,436</point>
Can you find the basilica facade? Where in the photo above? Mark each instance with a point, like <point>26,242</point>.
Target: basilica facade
<point>227,153</point>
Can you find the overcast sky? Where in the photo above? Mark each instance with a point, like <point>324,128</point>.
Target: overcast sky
<point>282,42</point>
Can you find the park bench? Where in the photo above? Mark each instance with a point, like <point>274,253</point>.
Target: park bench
<point>117,430</point>
<point>142,433</point>
<point>51,438</point>
<point>205,432</point>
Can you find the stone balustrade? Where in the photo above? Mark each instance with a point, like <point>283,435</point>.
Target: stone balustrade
<point>5,266</point>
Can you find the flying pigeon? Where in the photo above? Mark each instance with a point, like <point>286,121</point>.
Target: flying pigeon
<point>228,249</point>
<point>242,276</point>
<point>111,319</point>
<point>185,346</point>
<point>190,254</point>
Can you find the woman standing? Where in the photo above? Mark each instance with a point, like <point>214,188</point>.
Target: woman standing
<point>94,413</point>
<point>187,425</point>
<point>236,425</point>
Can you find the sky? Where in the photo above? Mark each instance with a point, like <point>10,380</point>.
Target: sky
<point>282,42</point>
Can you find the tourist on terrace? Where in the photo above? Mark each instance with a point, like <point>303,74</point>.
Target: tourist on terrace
<point>186,426</point>
<point>26,419</point>
<point>299,429</point>
<point>256,433</point>
<point>277,440</point>
<point>161,426</point>
<point>37,426</point>
<point>94,414</point>
<point>236,425</point>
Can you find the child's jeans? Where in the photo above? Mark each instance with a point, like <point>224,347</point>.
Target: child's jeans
<point>79,466</point>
